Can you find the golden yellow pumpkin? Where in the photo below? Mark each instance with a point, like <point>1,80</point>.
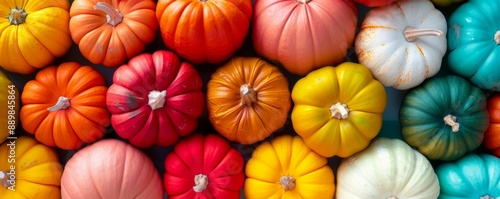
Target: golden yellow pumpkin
<point>9,107</point>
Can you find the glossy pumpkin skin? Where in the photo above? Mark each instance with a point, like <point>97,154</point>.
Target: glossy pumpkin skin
<point>444,118</point>
<point>473,176</point>
<point>285,167</point>
<point>247,99</point>
<point>33,34</point>
<point>9,107</point>
<point>472,42</point>
<point>65,106</point>
<point>388,168</point>
<point>109,32</point>
<point>304,35</point>
<point>375,3</point>
<point>154,99</point>
<point>492,135</point>
<point>203,166</point>
<point>403,43</point>
<point>204,31</point>
<point>110,169</point>
<point>338,110</point>
<point>37,169</point>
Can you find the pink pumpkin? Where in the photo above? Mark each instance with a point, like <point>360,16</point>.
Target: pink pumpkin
<point>304,35</point>
<point>374,3</point>
<point>110,169</point>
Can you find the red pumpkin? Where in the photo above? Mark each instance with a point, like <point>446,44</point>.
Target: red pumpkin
<point>154,99</point>
<point>492,135</point>
<point>374,3</point>
<point>110,169</point>
<point>304,35</point>
<point>204,31</point>
<point>203,166</point>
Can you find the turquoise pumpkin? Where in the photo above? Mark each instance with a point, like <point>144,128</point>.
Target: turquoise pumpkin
<point>471,177</point>
<point>473,42</point>
<point>444,118</point>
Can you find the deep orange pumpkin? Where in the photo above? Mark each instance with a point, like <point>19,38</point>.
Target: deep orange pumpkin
<point>204,31</point>
<point>109,32</point>
<point>65,106</point>
<point>492,135</point>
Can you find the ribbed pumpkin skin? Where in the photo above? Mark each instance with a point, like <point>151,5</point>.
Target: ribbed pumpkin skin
<point>209,155</point>
<point>110,169</point>
<point>204,31</point>
<point>39,40</point>
<point>423,112</point>
<point>375,3</point>
<point>37,169</point>
<point>474,176</point>
<point>492,135</point>
<point>84,120</point>
<point>247,116</point>
<point>283,157</point>
<point>9,107</point>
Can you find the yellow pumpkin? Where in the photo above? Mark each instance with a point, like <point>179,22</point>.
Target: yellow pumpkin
<point>9,107</point>
<point>338,110</point>
<point>286,168</point>
<point>29,170</point>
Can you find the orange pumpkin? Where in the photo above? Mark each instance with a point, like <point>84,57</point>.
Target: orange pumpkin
<point>65,106</point>
<point>492,135</point>
<point>109,32</point>
<point>247,99</point>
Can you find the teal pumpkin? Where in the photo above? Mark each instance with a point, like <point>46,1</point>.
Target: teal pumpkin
<point>444,118</point>
<point>475,176</point>
<point>473,42</point>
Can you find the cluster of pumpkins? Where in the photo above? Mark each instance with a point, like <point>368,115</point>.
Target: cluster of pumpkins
<point>297,78</point>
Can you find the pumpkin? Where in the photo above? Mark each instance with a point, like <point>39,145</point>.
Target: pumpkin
<point>304,35</point>
<point>338,110</point>
<point>388,168</point>
<point>375,3</point>
<point>446,3</point>
<point>109,32</point>
<point>286,168</point>
<point>9,107</point>
<point>65,106</point>
<point>155,98</point>
<point>491,138</point>
<point>110,169</point>
<point>403,43</point>
<point>247,99</point>
<point>203,166</point>
<point>444,118</point>
<point>473,176</point>
<point>33,34</point>
<point>29,169</point>
<point>207,31</point>
<point>473,37</point>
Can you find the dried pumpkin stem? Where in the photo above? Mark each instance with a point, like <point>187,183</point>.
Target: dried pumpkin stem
<point>248,95</point>
<point>412,34</point>
<point>156,99</point>
<point>61,104</point>
<point>17,16</point>
<point>339,111</point>
<point>201,182</point>
<point>486,197</point>
<point>497,37</point>
<point>287,182</point>
<point>113,16</point>
<point>304,1</point>
<point>392,197</point>
<point>451,120</point>
<point>4,179</point>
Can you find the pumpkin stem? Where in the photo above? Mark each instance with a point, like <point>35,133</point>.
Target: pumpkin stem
<point>451,120</point>
<point>497,37</point>
<point>248,95</point>
<point>61,104</point>
<point>304,1</point>
<point>201,183</point>
<point>287,182</point>
<point>486,197</point>
<point>17,16</point>
<point>113,16</point>
<point>156,99</point>
<point>4,179</point>
<point>412,34</point>
<point>339,111</point>
<point>392,197</point>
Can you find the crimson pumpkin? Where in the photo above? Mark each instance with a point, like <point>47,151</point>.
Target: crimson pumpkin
<point>155,98</point>
<point>203,166</point>
<point>491,138</point>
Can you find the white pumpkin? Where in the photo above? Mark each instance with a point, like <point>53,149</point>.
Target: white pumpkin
<point>402,43</point>
<point>389,169</point>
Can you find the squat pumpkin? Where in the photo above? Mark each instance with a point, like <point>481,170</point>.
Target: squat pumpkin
<point>65,106</point>
<point>492,135</point>
<point>9,103</point>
